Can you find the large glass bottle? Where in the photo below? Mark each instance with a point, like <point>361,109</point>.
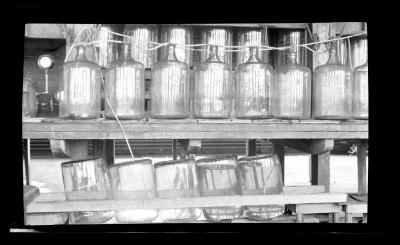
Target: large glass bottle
<point>290,37</point>
<point>174,179</point>
<point>218,177</point>
<point>252,37</point>
<point>217,36</point>
<point>29,100</point>
<point>106,51</point>
<point>80,89</point>
<point>213,87</point>
<point>87,179</point>
<point>291,98</point>
<point>134,180</point>
<point>253,88</point>
<point>359,50</point>
<point>332,89</point>
<point>360,92</point>
<point>170,87</point>
<point>179,35</point>
<point>261,175</point>
<point>125,87</point>
<point>143,37</point>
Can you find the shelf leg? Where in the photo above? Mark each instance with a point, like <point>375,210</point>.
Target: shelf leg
<point>250,147</point>
<point>174,152</point>
<point>299,218</point>
<point>110,151</point>
<point>27,159</point>
<point>320,170</point>
<point>280,151</point>
<point>348,218</point>
<point>362,166</point>
<point>78,149</point>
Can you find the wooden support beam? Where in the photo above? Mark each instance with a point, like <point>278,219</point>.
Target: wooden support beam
<point>311,146</point>
<point>320,170</point>
<point>189,147</point>
<point>110,151</point>
<point>250,147</point>
<point>98,148</point>
<point>174,151</point>
<point>78,149</point>
<point>362,166</point>
<point>280,152</point>
<point>27,159</point>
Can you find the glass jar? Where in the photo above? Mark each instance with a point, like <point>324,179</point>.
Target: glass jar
<point>332,89</point>
<point>217,36</point>
<point>290,37</point>
<point>87,179</point>
<point>213,87</point>
<point>291,98</point>
<point>142,36</point>
<point>359,51</point>
<point>218,177</point>
<point>169,88</point>
<point>252,37</point>
<point>175,179</point>
<point>134,180</point>
<point>106,51</point>
<point>253,88</point>
<point>178,35</point>
<point>360,92</point>
<point>125,87</point>
<point>80,96</point>
<point>29,100</point>
<point>261,175</point>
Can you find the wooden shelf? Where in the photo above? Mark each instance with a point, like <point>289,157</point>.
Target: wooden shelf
<point>217,201</point>
<point>194,129</point>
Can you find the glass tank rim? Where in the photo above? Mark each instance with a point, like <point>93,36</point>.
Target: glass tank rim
<point>91,160</point>
<point>214,159</point>
<point>132,162</point>
<point>173,162</point>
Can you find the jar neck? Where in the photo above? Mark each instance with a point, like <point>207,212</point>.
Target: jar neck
<point>213,54</point>
<point>333,58</point>
<point>171,55</point>
<point>126,52</point>
<point>291,58</point>
<point>81,54</point>
<point>253,55</point>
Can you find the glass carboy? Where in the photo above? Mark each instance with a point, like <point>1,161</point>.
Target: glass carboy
<point>170,87</point>
<point>106,51</point>
<point>290,37</point>
<point>253,88</point>
<point>213,87</point>
<point>87,179</point>
<point>252,37</point>
<point>360,92</point>
<point>218,177</point>
<point>124,85</point>
<point>134,180</point>
<point>217,36</point>
<point>29,100</point>
<point>261,175</point>
<point>142,37</point>
<point>174,179</point>
<point>179,35</point>
<point>291,98</point>
<point>332,89</point>
<point>80,89</point>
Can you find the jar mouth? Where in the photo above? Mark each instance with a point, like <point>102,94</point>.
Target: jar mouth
<point>173,162</point>
<point>257,157</point>
<point>91,160</point>
<point>227,160</point>
<point>136,162</point>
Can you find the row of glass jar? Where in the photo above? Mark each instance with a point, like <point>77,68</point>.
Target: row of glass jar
<point>215,176</point>
<point>260,92</point>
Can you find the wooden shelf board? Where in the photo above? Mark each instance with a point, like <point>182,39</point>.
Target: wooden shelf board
<point>193,129</point>
<point>217,201</point>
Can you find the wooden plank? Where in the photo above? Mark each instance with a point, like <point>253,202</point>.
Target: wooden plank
<point>315,208</point>
<point>47,218</point>
<point>30,193</point>
<point>362,167</point>
<point>311,146</point>
<point>296,190</point>
<point>358,208</point>
<point>103,205</point>
<point>320,170</point>
<point>27,159</point>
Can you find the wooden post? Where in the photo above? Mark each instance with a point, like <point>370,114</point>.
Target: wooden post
<point>110,151</point>
<point>98,148</point>
<point>320,170</point>
<point>78,149</point>
<point>280,151</point>
<point>174,152</point>
<point>362,166</point>
<point>250,147</point>
<point>27,159</point>
<point>299,218</point>
<point>348,218</point>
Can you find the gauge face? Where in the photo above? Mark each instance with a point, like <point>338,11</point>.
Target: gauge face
<point>45,61</point>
